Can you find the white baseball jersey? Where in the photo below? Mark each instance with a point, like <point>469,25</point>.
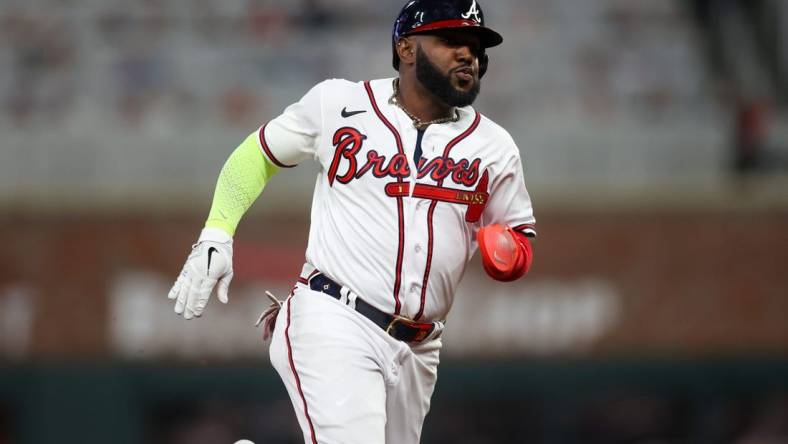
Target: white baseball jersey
<point>395,231</point>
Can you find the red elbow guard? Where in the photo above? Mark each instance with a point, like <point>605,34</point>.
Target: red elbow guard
<point>506,254</point>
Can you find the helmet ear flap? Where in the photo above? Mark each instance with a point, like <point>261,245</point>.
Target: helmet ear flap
<point>484,60</point>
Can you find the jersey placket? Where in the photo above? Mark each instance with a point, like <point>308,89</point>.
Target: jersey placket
<point>418,232</point>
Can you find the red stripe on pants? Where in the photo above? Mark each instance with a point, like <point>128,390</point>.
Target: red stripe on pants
<point>295,373</point>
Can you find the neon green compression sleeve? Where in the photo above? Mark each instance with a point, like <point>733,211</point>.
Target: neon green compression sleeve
<point>241,181</point>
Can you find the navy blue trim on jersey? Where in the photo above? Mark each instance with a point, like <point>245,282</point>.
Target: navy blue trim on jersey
<point>267,150</point>
<point>431,211</point>
<point>418,152</point>
<point>400,209</point>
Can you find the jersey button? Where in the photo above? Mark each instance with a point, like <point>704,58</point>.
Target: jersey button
<point>418,248</point>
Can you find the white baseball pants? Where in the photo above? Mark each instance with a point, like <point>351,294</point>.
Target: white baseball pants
<point>349,381</point>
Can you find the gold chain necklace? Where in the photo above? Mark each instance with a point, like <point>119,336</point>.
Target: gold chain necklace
<point>417,123</point>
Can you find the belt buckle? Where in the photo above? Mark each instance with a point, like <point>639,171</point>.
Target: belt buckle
<point>394,321</point>
<point>397,319</point>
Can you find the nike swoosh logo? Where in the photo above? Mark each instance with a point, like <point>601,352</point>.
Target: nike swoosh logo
<point>346,113</point>
<point>210,253</point>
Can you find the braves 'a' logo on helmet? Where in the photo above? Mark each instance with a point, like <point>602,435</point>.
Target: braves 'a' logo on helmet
<point>473,12</point>
<point>419,19</point>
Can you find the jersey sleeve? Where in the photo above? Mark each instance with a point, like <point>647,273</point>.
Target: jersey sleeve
<point>509,202</point>
<point>294,135</point>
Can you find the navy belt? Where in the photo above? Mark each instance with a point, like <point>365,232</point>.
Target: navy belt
<point>400,328</point>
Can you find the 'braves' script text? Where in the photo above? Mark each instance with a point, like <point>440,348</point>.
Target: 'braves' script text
<point>347,166</point>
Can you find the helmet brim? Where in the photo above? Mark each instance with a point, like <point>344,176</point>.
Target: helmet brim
<point>487,37</point>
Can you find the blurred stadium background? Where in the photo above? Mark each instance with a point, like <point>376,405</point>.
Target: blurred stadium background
<point>655,138</point>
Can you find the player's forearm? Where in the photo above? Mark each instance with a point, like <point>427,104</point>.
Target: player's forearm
<point>240,182</point>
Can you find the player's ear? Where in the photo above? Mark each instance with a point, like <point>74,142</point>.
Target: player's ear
<point>406,49</point>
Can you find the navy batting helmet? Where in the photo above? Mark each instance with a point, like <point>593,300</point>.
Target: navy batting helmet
<point>419,16</point>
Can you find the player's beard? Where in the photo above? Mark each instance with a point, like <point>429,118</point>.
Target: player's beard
<point>440,85</point>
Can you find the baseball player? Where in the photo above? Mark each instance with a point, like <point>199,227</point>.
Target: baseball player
<point>412,179</point>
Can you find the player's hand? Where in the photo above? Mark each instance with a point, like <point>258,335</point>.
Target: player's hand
<point>210,262</point>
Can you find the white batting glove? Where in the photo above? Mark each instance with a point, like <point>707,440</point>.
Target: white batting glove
<point>210,262</point>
